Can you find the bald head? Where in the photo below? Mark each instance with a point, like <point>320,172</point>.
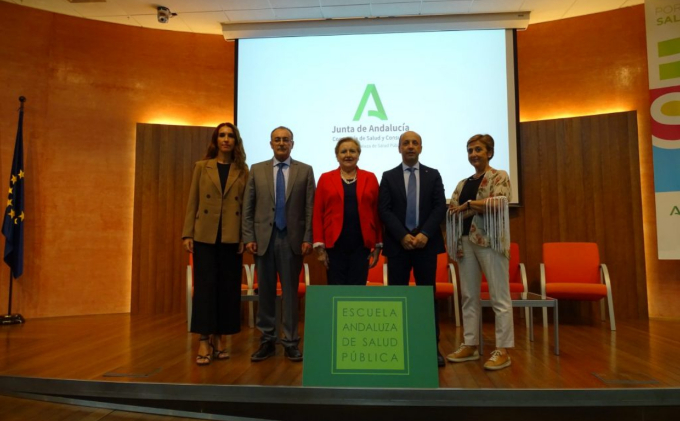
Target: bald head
<point>410,147</point>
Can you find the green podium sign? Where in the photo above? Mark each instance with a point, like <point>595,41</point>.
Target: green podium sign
<point>370,337</point>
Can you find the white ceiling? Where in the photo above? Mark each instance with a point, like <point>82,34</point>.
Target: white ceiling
<point>205,16</point>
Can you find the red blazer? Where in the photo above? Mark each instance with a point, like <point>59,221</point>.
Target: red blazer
<point>329,208</point>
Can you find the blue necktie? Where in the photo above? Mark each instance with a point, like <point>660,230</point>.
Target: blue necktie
<point>280,215</point>
<point>411,198</point>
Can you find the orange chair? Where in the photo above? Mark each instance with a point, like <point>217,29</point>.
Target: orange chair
<point>446,285</point>
<point>190,290</point>
<point>249,292</point>
<point>377,275</point>
<point>572,271</point>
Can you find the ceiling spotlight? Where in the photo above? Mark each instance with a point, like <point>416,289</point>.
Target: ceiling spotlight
<point>164,14</point>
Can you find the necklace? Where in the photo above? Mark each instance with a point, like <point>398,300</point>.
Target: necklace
<point>349,180</point>
<point>343,174</point>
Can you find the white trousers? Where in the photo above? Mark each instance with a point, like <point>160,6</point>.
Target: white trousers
<point>496,268</point>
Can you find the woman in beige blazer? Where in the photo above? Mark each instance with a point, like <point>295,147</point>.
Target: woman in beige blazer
<point>212,232</point>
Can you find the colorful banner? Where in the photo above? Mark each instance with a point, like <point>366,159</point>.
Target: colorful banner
<point>663,58</point>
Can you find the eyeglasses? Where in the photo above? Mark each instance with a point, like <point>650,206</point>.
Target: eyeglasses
<point>231,135</point>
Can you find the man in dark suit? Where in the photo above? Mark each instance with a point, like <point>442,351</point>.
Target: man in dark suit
<point>412,206</point>
<point>277,229</point>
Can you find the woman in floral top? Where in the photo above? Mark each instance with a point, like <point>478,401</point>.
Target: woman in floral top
<point>481,244</point>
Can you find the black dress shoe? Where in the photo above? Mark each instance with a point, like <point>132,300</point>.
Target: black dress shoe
<point>293,353</point>
<point>440,359</point>
<point>266,350</point>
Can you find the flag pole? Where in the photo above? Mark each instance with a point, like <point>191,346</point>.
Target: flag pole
<point>9,318</point>
<point>9,300</point>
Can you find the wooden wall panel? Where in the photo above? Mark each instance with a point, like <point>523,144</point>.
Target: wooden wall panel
<point>597,64</point>
<point>163,169</point>
<point>88,83</point>
<point>581,182</point>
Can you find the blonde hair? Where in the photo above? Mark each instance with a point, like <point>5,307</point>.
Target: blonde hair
<point>347,139</point>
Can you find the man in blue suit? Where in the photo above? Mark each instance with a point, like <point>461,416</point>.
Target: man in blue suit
<point>412,206</point>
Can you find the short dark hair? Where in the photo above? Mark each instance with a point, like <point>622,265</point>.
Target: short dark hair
<point>282,127</point>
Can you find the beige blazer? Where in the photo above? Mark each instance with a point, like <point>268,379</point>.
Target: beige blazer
<point>207,202</point>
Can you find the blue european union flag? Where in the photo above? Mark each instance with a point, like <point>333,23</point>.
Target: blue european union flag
<point>13,224</point>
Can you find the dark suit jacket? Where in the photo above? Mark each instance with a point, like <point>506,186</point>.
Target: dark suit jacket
<point>207,203</point>
<point>259,205</point>
<point>329,208</point>
<point>392,209</point>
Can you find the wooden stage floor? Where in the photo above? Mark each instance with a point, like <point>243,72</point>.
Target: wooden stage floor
<point>158,349</point>
<point>111,367</point>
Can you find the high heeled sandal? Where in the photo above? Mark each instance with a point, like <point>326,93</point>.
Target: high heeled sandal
<point>219,354</point>
<point>205,359</point>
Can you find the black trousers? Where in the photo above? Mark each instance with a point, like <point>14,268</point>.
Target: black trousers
<point>216,305</point>
<point>424,267</point>
<point>347,267</point>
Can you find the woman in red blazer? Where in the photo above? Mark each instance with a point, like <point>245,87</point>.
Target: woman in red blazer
<point>346,228</point>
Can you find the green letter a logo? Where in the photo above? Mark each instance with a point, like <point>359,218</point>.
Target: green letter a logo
<point>380,112</point>
<point>675,211</point>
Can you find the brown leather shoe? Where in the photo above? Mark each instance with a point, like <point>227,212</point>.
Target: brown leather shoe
<point>498,360</point>
<point>463,353</point>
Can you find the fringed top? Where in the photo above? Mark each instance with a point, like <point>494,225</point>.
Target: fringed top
<point>491,229</point>
<point>497,223</point>
<point>454,234</point>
